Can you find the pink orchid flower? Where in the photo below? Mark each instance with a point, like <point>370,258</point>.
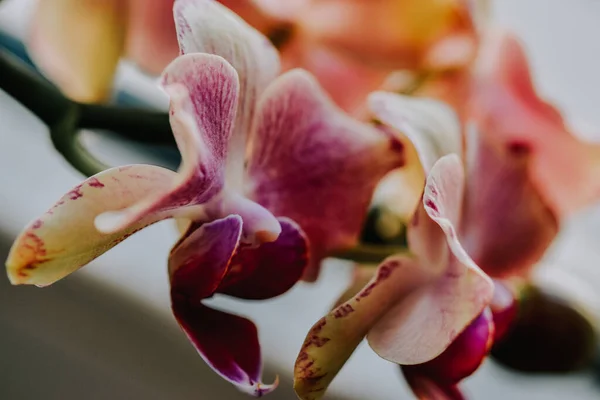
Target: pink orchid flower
<point>78,43</point>
<point>266,162</point>
<point>526,172</point>
<point>416,305</point>
<point>351,58</point>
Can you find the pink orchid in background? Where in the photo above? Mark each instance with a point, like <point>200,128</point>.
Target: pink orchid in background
<point>78,43</point>
<point>266,162</point>
<point>352,46</point>
<point>416,305</point>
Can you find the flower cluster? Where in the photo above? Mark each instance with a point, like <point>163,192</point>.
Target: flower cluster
<point>276,176</point>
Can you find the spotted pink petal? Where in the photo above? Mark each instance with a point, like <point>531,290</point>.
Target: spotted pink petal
<point>270,269</point>
<point>307,158</point>
<point>424,324</point>
<point>65,239</point>
<point>205,26</point>
<point>437,379</point>
<point>429,130</point>
<point>507,107</point>
<point>507,225</point>
<point>151,37</point>
<point>228,343</point>
<point>332,340</point>
<point>204,91</point>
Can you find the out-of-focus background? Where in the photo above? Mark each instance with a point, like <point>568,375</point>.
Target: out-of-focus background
<point>107,331</point>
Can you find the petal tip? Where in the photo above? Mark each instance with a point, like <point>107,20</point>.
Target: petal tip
<point>259,389</point>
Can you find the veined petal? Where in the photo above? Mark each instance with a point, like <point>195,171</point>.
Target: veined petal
<point>307,158</point>
<point>507,226</point>
<point>429,130</point>
<point>461,359</point>
<point>204,91</point>
<point>65,239</point>
<point>78,43</point>
<point>271,268</point>
<point>507,107</point>
<point>424,324</point>
<point>151,37</point>
<point>205,26</point>
<point>228,343</point>
<point>332,340</point>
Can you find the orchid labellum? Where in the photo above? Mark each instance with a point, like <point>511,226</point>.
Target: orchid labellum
<point>266,162</point>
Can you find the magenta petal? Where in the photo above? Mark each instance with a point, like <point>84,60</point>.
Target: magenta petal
<point>507,226</point>
<point>271,269</point>
<point>201,259</point>
<point>204,91</point>
<point>307,158</point>
<point>228,343</point>
<point>459,360</point>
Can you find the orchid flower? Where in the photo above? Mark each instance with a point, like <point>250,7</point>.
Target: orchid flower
<point>78,43</point>
<point>353,45</point>
<point>512,137</point>
<point>266,162</point>
<point>416,305</point>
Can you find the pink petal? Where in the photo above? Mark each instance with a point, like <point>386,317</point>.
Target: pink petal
<point>228,343</point>
<point>151,37</point>
<point>429,130</point>
<point>426,322</point>
<point>204,92</point>
<point>205,26</point>
<point>505,308</point>
<point>332,340</point>
<point>270,269</point>
<point>508,109</point>
<point>507,225</point>
<point>62,31</point>
<point>307,158</point>
<point>461,359</point>
<point>65,238</point>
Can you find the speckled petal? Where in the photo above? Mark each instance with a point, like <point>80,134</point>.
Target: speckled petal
<point>203,90</point>
<point>60,45</point>
<point>508,108</point>
<point>307,158</point>
<point>228,343</point>
<point>332,340</point>
<point>424,324</point>
<point>65,239</point>
<point>507,226</point>
<point>270,269</point>
<point>464,356</point>
<point>205,26</point>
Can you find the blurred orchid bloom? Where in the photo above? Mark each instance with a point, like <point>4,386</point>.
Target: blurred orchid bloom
<point>78,43</point>
<point>266,163</point>
<point>416,305</point>
<point>352,46</point>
